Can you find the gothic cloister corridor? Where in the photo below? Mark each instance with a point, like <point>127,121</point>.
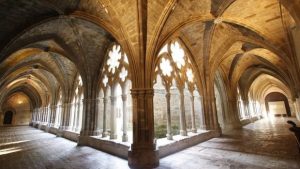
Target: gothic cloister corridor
<point>146,84</point>
<point>264,144</point>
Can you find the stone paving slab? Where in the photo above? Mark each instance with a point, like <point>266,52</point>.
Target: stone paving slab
<point>265,144</point>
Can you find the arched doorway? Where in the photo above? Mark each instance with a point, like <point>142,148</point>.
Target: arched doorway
<point>8,117</point>
<point>280,104</point>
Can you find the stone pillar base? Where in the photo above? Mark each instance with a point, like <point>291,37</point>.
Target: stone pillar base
<point>60,132</point>
<point>113,136</point>
<point>183,132</point>
<point>82,140</point>
<point>231,126</point>
<point>90,133</point>
<point>202,127</point>
<point>143,158</point>
<point>84,135</point>
<point>124,138</point>
<point>169,136</point>
<point>104,134</point>
<point>47,129</point>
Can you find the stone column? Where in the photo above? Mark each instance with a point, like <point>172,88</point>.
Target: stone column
<point>48,116</point>
<point>89,126</point>
<point>232,120</point>
<point>194,130</point>
<point>53,115</point>
<point>296,108</point>
<point>38,114</point>
<point>75,116</point>
<point>143,152</point>
<point>33,118</point>
<point>202,115</point>
<point>66,116</point>
<point>239,109</point>
<point>124,100</point>
<point>246,107</point>
<point>59,116</point>
<point>215,122</point>
<point>113,124</point>
<point>44,115</point>
<point>41,114</point>
<point>105,104</point>
<point>35,114</point>
<point>292,110</point>
<point>183,131</point>
<point>169,128</point>
<point>96,121</point>
<point>61,126</point>
<point>211,119</point>
<point>78,115</point>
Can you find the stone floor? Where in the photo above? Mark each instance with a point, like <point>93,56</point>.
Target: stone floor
<point>265,144</point>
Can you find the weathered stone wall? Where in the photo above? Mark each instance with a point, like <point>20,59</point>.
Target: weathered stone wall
<point>20,106</point>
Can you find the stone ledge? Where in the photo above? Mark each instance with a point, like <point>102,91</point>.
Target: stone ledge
<point>185,142</point>
<point>42,127</point>
<point>109,146</point>
<point>70,135</point>
<point>121,149</point>
<point>53,130</point>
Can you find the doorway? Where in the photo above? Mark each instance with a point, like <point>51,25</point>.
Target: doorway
<point>8,117</point>
<point>277,104</point>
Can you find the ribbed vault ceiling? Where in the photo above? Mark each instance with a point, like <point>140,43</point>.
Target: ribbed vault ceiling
<point>48,43</point>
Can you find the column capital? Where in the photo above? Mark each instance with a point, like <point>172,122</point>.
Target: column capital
<point>168,95</point>
<point>105,99</point>
<point>192,97</point>
<point>90,132</point>
<point>90,100</point>
<point>113,98</point>
<point>142,92</point>
<point>66,104</point>
<point>53,106</point>
<point>124,97</point>
<point>245,101</point>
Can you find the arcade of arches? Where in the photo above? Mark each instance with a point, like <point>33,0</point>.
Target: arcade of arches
<point>135,78</point>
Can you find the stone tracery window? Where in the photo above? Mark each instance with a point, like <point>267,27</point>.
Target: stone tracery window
<point>178,54</point>
<point>175,79</point>
<point>114,57</point>
<point>190,75</point>
<point>165,67</point>
<point>241,107</point>
<point>123,74</point>
<point>76,106</point>
<point>58,110</point>
<point>114,118</point>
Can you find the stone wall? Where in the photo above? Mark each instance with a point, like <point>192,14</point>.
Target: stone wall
<point>20,106</point>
